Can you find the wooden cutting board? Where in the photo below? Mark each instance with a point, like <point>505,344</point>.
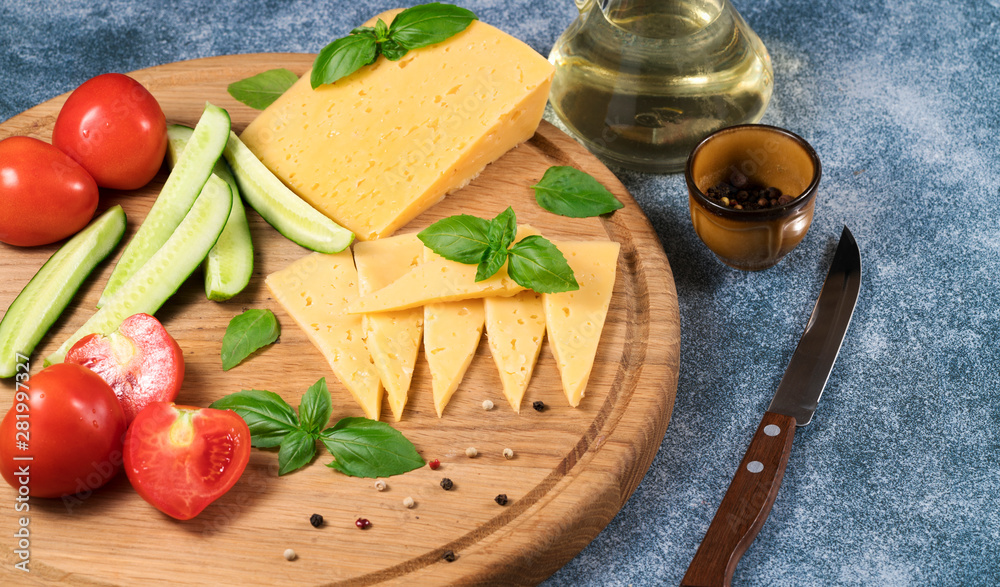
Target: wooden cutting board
<point>573,467</point>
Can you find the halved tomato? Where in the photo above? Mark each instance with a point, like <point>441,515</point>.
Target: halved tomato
<point>180,458</point>
<point>140,361</point>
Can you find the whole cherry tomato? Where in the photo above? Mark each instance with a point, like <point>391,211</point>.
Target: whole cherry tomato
<point>44,195</point>
<point>180,459</point>
<point>139,360</point>
<point>71,426</point>
<point>115,128</point>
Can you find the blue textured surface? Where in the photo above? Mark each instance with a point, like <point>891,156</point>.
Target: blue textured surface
<point>896,481</point>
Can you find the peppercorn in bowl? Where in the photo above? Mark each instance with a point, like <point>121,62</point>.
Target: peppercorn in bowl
<point>752,193</point>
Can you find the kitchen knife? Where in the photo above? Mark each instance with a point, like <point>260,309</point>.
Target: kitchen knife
<point>755,485</point>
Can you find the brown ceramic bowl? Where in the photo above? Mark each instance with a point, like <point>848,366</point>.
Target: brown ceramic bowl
<point>770,157</point>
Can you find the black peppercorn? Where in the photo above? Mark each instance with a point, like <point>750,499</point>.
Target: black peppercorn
<point>449,556</point>
<point>446,484</point>
<point>501,499</point>
<point>538,405</point>
<point>316,520</point>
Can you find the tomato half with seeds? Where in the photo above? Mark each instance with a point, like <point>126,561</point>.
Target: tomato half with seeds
<point>181,458</point>
<point>139,360</point>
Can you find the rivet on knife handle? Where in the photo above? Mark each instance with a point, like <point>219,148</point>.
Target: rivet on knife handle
<point>745,505</point>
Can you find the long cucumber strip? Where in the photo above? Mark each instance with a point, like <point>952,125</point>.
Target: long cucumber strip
<point>167,269</point>
<point>48,293</point>
<point>229,265</point>
<point>292,216</point>
<point>175,199</point>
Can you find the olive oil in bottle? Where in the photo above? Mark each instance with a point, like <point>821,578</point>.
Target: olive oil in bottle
<point>640,82</point>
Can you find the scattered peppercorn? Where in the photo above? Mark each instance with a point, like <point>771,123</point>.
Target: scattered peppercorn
<point>316,520</point>
<point>290,554</point>
<point>487,405</point>
<point>380,485</point>
<point>508,453</point>
<point>363,523</point>
<point>447,484</point>
<point>434,464</point>
<point>471,452</point>
<point>538,405</point>
<point>449,556</point>
<point>501,499</point>
<point>408,502</point>
<point>738,193</point>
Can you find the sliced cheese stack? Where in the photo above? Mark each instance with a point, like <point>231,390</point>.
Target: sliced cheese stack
<point>315,291</point>
<point>376,148</point>
<point>451,336</point>
<point>393,338</point>
<point>574,319</point>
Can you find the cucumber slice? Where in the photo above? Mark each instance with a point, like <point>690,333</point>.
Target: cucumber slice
<point>175,199</point>
<point>229,264</point>
<point>48,293</point>
<point>167,269</point>
<point>292,216</point>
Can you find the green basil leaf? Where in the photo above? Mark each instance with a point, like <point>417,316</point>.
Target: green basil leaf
<point>392,50</point>
<point>491,263</point>
<point>268,416</point>
<point>428,24</point>
<point>570,192</point>
<point>381,30</point>
<point>247,333</point>
<point>361,30</point>
<point>261,90</point>
<point>537,264</point>
<point>462,238</point>
<point>503,229</point>
<point>367,448</point>
<point>316,407</point>
<point>343,57</point>
<point>297,450</point>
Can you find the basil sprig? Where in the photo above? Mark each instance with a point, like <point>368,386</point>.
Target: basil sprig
<point>251,330</point>
<point>412,28</point>
<point>570,192</point>
<point>360,447</point>
<point>533,262</point>
<point>261,90</point>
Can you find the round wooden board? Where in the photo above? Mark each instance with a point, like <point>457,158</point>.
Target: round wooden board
<point>573,467</point>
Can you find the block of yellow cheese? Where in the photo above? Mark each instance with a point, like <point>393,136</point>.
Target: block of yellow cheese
<point>315,291</point>
<point>393,338</point>
<point>439,280</point>
<point>515,327</point>
<point>376,148</point>
<point>574,320</point>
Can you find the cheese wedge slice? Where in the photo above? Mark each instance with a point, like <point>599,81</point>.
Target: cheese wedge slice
<point>315,291</point>
<point>574,320</point>
<point>378,147</point>
<point>393,338</point>
<point>439,280</point>
<point>515,327</point>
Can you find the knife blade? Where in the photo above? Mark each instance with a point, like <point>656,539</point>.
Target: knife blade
<point>751,494</point>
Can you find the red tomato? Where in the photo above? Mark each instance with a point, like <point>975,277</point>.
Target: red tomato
<point>73,432</point>
<point>115,128</point>
<point>44,195</point>
<point>180,459</point>
<point>140,361</point>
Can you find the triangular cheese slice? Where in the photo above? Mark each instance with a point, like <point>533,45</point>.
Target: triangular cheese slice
<point>393,338</point>
<point>315,291</point>
<point>574,320</point>
<point>515,327</point>
<point>439,280</point>
<point>451,335</point>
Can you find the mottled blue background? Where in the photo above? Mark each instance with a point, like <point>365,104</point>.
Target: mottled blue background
<point>897,480</point>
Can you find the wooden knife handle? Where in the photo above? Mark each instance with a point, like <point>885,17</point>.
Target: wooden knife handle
<point>745,505</point>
